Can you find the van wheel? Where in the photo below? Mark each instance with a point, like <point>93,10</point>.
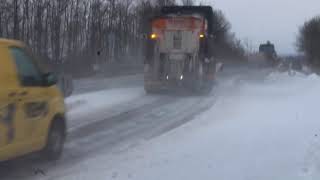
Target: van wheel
<point>55,141</point>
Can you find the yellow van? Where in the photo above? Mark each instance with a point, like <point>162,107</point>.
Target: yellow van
<point>32,110</point>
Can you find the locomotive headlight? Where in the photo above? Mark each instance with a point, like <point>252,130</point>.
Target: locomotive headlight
<point>181,77</point>
<point>201,36</point>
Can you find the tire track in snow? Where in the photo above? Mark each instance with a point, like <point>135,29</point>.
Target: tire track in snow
<point>120,132</point>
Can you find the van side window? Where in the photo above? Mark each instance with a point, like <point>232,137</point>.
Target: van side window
<point>28,73</point>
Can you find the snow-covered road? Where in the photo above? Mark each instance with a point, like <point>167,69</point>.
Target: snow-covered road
<point>250,129</point>
<point>266,130</point>
<point>110,120</point>
<point>99,83</point>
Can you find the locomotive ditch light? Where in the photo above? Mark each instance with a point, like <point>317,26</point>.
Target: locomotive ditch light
<point>201,36</point>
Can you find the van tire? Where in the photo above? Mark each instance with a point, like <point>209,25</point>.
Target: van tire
<point>55,141</point>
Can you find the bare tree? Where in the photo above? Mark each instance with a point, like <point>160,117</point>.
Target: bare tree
<point>308,41</point>
<point>15,5</point>
<point>162,3</point>
<point>188,2</point>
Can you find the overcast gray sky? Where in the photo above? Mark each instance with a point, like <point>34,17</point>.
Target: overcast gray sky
<point>262,20</point>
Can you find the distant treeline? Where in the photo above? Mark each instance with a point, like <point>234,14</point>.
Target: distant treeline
<point>80,33</point>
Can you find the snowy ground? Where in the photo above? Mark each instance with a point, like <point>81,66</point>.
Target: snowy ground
<point>99,83</point>
<point>262,131</point>
<point>255,130</point>
<point>87,105</point>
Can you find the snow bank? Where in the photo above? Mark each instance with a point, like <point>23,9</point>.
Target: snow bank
<point>293,76</point>
<point>264,131</point>
<point>285,76</point>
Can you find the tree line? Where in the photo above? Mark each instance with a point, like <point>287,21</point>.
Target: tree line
<point>308,41</point>
<point>85,32</point>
